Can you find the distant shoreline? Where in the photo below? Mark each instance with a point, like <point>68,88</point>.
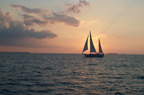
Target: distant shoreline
<point>15,52</point>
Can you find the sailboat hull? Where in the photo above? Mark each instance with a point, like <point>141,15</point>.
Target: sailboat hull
<point>98,55</point>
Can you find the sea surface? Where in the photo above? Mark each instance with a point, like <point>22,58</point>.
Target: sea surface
<point>71,74</point>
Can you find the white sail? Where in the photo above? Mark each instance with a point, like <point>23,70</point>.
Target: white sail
<point>92,48</point>
<point>86,45</point>
<point>100,48</point>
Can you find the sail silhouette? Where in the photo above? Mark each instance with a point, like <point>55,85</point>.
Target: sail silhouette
<point>100,48</point>
<point>86,45</point>
<point>92,48</point>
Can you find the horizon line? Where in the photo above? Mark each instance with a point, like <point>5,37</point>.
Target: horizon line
<point>70,53</point>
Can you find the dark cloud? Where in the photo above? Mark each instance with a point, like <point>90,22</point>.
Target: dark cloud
<point>35,21</point>
<point>20,32</point>
<point>28,10</point>
<point>30,20</point>
<point>5,19</point>
<point>20,42</point>
<point>29,42</point>
<point>12,31</point>
<point>83,3</point>
<point>77,8</point>
<point>26,16</point>
<point>46,18</point>
<point>51,19</point>
<point>68,20</point>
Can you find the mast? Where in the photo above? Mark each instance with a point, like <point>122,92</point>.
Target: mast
<point>100,48</point>
<point>92,48</point>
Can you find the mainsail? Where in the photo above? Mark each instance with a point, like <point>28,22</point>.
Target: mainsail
<point>92,48</point>
<point>86,45</point>
<point>100,49</point>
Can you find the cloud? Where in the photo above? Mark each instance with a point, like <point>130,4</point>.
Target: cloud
<point>12,31</point>
<point>30,20</point>
<point>46,18</point>
<point>51,19</point>
<point>29,42</point>
<point>68,20</point>
<point>20,32</point>
<point>77,8</point>
<point>28,10</point>
<point>5,19</point>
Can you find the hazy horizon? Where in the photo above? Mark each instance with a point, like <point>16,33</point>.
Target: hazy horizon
<point>71,53</point>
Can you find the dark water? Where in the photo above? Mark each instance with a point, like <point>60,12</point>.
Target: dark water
<point>67,74</point>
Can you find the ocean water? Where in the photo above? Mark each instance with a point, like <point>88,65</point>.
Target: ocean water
<point>71,74</point>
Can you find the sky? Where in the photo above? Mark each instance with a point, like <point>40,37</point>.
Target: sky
<point>62,26</point>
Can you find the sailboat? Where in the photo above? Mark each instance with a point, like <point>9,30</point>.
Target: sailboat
<point>93,52</point>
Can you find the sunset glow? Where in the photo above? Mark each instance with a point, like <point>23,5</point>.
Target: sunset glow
<point>62,26</point>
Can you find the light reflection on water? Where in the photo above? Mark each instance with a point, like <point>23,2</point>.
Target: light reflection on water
<point>70,74</point>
